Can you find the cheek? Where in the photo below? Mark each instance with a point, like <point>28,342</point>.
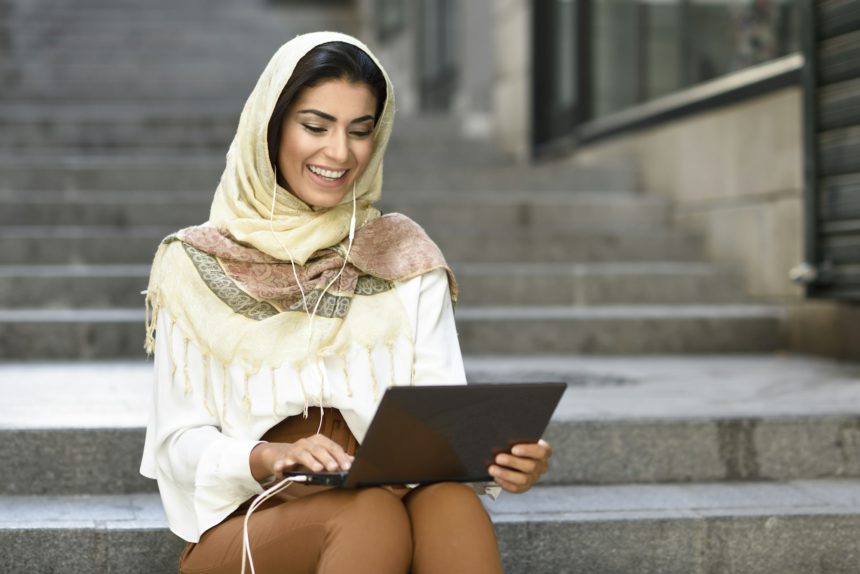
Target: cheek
<point>293,148</point>
<point>363,152</point>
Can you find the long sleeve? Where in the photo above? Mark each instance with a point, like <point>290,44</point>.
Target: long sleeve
<point>438,360</point>
<point>202,473</point>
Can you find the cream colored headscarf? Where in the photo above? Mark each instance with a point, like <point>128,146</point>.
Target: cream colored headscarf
<point>230,287</point>
<point>244,197</point>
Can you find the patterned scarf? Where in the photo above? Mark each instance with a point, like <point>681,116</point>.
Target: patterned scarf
<point>239,304</point>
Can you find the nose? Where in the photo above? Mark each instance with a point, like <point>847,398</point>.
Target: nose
<point>338,148</point>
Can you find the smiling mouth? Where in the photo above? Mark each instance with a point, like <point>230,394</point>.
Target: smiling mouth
<point>328,174</point>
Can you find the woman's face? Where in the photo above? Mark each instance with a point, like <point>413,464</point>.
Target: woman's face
<point>326,141</point>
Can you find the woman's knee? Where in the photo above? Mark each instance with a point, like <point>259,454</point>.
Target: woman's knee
<point>378,505</point>
<point>445,496</point>
<point>379,516</point>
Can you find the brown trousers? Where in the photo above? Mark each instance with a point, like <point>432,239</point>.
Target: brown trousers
<point>434,528</point>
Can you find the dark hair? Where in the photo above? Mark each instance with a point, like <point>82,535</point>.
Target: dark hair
<point>329,61</point>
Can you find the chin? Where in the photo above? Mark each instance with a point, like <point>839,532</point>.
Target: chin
<point>323,200</point>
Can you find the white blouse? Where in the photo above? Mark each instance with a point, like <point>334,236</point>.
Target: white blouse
<point>201,431</point>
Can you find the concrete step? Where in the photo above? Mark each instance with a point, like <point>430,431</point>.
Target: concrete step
<point>694,418</point>
<point>99,54</point>
<point>92,244</point>
<point>104,128</point>
<point>622,420</point>
<point>130,170</point>
<point>481,284</point>
<point>114,172</point>
<point>69,333</point>
<point>422,175</point>
<point>114,333</point>
<point>646,283</point>
<point>87,535</point>
<point>79,245</point>
<point>46,14</point>
<point>807,527</point>
<point>116,209</point>
<point>598,452</point>
<point>645,329</point>
<point>560,210</point>
<point>796,527</point>
<point>83,286</point>
<point>145,80</point>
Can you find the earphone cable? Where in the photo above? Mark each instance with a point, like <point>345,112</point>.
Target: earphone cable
<point>258,501</point>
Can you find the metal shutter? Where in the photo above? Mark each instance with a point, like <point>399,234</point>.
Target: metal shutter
<point>832,117</point>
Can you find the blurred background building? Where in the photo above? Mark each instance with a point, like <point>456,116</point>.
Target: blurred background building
<point>746,114</point>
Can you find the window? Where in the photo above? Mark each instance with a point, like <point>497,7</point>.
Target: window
<point>643,49</point>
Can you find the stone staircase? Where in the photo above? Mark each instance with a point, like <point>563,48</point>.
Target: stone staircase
<point>686,442</point>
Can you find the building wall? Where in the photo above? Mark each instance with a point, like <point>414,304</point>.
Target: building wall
<point>473,101</point>
<point>511,20</point>
<point>397,53</point>
<point>736,175</point>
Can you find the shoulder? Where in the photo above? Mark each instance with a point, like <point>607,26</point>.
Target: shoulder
<point>396,248</point>
<point>392,231</point>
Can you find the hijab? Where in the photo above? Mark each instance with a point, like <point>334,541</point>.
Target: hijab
<point>244,197</point>
<point>232,289</point>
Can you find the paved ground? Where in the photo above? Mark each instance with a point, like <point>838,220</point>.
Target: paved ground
<point>113,393</point>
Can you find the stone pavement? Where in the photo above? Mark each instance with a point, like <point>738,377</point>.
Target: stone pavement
<point>795,521</point>
<point>60,394</point>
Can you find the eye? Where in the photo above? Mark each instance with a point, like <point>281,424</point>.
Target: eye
<point>314,129</point>
<point>361,134</point>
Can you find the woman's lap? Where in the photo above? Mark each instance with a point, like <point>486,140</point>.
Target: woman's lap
<point>364,530</point>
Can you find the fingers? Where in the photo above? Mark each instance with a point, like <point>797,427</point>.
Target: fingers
<point>512,480</point>
<point>528,465</point>
<point>520,470</point>
<point>539,450</point>
<point>316,453</point>
<point>332,450</point>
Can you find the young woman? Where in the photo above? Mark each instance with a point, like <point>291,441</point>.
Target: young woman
<point>280,322</point>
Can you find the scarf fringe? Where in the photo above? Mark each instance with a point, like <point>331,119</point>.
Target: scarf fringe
<point>274,391</point>
<point>346,382</point>
<point>246,398</point>
<point>185,374</point>
<point>373,379</point>
<point>151,321</point>
<point>205,370</point>
<point>153,306</point>
<point>224,384</point>
<point>298,367</point>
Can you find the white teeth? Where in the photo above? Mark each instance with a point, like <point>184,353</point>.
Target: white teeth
<point>327,173</point>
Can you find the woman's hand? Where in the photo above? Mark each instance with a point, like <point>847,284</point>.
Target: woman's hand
<point>520,470</point>
<point>316,453</point>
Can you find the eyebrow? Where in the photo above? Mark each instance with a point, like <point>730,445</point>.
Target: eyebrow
<point>331,118</point>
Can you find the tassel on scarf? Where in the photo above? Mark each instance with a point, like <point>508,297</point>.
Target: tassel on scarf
<point>390,347</point>
<point>246,398</point>
<point>274,391</point>
<point>171,356</point>
<point>185,374</point>
<point>226,381</point>
<point>344,365</point>
<point>151,307</point>
<point>298,367</point>
<point>205,371</point>
<point>372,373</point>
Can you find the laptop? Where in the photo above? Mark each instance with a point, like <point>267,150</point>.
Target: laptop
<point>444,433</point>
